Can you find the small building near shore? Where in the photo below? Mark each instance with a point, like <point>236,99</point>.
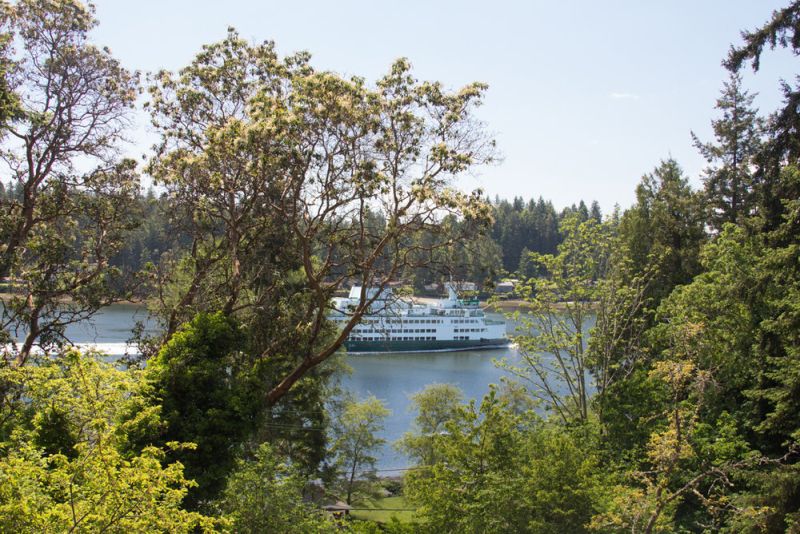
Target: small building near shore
<point>505,288</point>
<point>466,286</point>
<point>338,509</point>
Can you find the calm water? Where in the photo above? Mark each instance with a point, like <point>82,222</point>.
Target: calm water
<point>390,377</point>
<point>393,377</point>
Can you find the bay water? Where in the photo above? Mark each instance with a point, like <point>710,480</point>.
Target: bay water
<point>393,378</point>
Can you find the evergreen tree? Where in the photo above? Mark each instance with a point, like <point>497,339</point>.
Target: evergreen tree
<point>729,181</point>
<point>595,213</point>
<point>782,145</point>
<point>664,228</point>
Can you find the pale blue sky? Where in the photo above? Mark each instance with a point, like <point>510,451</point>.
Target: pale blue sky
<point>584,97</point>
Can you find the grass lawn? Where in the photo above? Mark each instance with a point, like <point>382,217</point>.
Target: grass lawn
<point>384,513</point>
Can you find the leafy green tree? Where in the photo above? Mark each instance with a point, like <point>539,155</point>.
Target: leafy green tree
<point>354,444</point>
<point>497,472</point>
<point>618,347</point>
<point>554,331</point>
<point>519,226</point>
<point>266,495</point>
<point>718,441</point>
<point>783,143</point>
<point>435,405</point>
<point>197,379</point>
<point>87,482</point>
<point>73,102</point>
<point>277,169</point>
<point>596,213</point>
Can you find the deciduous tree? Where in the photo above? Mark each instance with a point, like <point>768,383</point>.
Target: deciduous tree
<point>275,167</point>
<point>436,405</point>
<point>73,102</point>
<point>84,479</point>
<point>554,331</point>
<point>354,444</point>
<point>499,472</point>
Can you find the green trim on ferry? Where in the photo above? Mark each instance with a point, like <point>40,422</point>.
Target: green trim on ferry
<point>423,345</point>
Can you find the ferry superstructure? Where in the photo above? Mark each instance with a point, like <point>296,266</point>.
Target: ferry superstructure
<point>394,324</point>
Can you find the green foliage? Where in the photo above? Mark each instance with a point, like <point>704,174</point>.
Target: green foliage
<point>782,145</point>
<point>435,405</point>
<point>94,484</point>
<point>723,345</point>
<point>283,183</point>
<point>62,226</point>
<point>554,331</point>
<point>519,226</point>
<point>730,183</point>
<point>246,136</point>
<point>266,495</point>
<point>353,447</point>
<point>496,472</point>
<point>197,380</point>
<point>664,229</point>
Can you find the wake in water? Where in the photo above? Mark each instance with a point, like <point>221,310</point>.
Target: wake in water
<point>112,349</point>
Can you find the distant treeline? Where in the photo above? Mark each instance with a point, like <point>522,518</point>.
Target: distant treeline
<point>518,227</point>
<point>521,227</point>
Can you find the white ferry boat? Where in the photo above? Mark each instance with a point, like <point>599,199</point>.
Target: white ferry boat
<point>394,324</point>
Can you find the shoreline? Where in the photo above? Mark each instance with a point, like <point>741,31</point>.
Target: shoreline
<point>506,306</point>
<point>4,296</point>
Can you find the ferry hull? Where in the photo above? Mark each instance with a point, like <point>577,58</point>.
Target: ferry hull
<point>355,347</point>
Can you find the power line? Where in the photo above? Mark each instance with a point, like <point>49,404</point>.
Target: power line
<point>387,509</point>
<point>401,469</point>
<point>297,427</point>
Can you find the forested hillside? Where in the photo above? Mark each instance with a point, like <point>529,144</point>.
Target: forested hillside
<point>658,384</point>
<point>516,228</point>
